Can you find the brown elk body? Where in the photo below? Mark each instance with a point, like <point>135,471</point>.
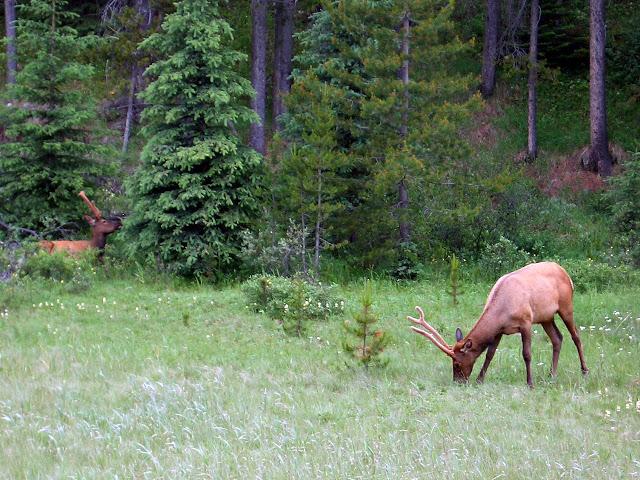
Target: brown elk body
<point>100,229</point>
<point>518,300</point>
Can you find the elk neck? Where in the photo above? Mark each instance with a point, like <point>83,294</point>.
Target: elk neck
<point>98,240</point>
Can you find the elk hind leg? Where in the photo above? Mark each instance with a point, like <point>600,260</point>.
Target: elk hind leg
<point>567,318</point>
<point>556,341</point>
<point>525,333</point>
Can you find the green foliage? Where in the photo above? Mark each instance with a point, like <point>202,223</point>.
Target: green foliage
<point>408,265</point>
<point>364,343</point>
<point>265,249</point>
<point>76,273</point>
<point>592,275</point>
<point>52,151</point>
<point>286,298</point>
<point>624,197</point>
<point>195,191</point>
<point>454,279</point>
<point>502,257</point>
<point>347,72</point>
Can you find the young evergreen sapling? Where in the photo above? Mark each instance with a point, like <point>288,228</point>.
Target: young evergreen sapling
<point>364,343</point>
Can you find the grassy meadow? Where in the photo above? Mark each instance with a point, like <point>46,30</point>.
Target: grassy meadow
<point>139,379</point>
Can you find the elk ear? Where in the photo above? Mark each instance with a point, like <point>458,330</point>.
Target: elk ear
<point>90,221</point>
<point>467,346</point>
<point>459,335</point>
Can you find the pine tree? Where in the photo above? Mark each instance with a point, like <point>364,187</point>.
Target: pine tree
<point>312,180</point>
<point>396,131</point>
<point>194,192</point>
<point>51,151</point>
<point>369,343</point>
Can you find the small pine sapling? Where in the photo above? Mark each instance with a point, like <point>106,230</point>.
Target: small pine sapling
<point>368,343</point>
<point>454,279</point>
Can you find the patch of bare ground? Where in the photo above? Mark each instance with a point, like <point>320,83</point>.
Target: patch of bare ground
<point>482,132</point>
<point>566,175</point>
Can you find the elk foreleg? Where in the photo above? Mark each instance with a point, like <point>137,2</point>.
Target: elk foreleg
<point>525,333</point>
<point>487,360</point>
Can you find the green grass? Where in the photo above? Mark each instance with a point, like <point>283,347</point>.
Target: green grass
<point>132,380</point>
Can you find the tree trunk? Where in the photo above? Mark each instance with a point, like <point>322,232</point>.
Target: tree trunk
<point>257,137</point>
<point>316,257</point>
<point>490,48</point>
<point>532,144</point>
<point>404,74</point>
<point>10,25</point>
<point>403,193</point>
<point>130,108</point>
<point>283,56</point>
<point>403,204</point>
<point>144,11</point>
<point>303,248</point>
<point>599,156</point>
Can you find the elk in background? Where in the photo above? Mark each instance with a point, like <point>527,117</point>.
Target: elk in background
<point>100,228</point>
<point>533,294</point>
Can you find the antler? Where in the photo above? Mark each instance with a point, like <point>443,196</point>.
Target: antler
<point>431,333</point>
<point>92,207</point>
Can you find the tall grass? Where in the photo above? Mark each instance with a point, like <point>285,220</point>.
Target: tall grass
<point>114,382</point>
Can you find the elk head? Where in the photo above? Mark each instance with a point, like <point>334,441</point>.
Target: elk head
<point>100,227</point>
<point>461,353</point>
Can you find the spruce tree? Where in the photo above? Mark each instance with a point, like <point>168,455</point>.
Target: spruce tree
<point>194,192</point>
<point>51,150</point>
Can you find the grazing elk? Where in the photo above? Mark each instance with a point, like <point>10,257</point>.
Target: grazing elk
<point>100,228</point>
<point>533,294</point>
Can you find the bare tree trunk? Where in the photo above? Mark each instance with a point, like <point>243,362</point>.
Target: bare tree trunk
<point>130,107</point>
<point>404,74</point>
<point>144,11</point>
<point>403,193</point>
<point>316,257</point>
<point>599,156</point>
<point>490,48</point>
<point>403,204</point>
<point>10,25</point>
<point>303,250</point>
<point>532,144</point>
<point>283,56</point>
<point>257,137</point>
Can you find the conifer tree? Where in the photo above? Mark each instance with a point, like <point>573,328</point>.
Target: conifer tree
<point>366,343</point>
<point>194,192</point>
<point>396,130</point>
<point>51,152</point>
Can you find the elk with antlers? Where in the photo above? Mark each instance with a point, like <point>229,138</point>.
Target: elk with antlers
<point>533,294</point>
<point>100,228</point>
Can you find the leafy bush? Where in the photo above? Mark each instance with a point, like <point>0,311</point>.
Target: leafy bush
<point>592,275</point>
<point>76,272</point>
<point>408,265</point>
<point>502,257</point>
<point>282,298</point>
<point>625,206</point>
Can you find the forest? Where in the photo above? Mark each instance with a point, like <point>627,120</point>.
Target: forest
<point>172,172</point>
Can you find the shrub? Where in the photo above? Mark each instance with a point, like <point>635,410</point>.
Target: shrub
<point>625,206</point>
<point>592,275</point>
<point>282,297</point>
<point>75,272</point>
<point>502,257</point>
